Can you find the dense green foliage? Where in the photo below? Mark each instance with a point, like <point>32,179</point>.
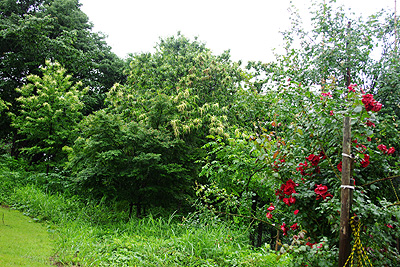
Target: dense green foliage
<point>144,147</point>
<point>98,234</point>
<point>184,130</point>
<point>50,109</point>
<point>32,32</point>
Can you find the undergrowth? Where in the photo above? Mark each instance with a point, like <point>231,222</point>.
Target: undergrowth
<point>99,234</point>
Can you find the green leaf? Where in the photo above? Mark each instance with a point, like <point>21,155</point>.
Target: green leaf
<point>358,109</point>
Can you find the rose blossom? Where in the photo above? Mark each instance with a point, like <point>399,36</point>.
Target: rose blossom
<point>391,151</point>
<point>370,123</point>
<point>377,107</point>
<point>370,103</point>
<point>339,166</point>
<point>313,159</point>
<point>284,228</point>
<point>327,94</point>
<point>351,87</point>
<point>382,148</point>
<point>322,191</point>
<point>294,226</point>
<point>365,161</point>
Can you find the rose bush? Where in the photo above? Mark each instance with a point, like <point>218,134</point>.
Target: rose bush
<point>309,140</point>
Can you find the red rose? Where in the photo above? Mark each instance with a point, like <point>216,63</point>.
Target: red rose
<point>339,166</point>
<point>289,187</point>
<point>271,208</point>
<point>377,107</point>
<point>291,183</point>
<point>289,190</point>
<point>368,101</point>
<point>391,150</point>
<point>269,215</point>
<point>365,161</point>
<point>286,189</point>
<point>369,123</point>
<point>286,201</point>
<point>310,244</point>
<point>382,148</point>
<point>294,226</point>
<point>367,98</point>
<point>284,229</point>
<point>322,191</point>
<point>327,94</point>
<point>301,168</point>
<point>352,87</point>
<point>313,159</point>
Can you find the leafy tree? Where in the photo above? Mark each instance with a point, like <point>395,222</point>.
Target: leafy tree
<point>50,110</point>
<point>172,100</point>
<point>179,64</point>
<point>32,31</point>
<point>297,140</point>
<point>200,85</point>
<point>340,48</point>
<point>127,161</point>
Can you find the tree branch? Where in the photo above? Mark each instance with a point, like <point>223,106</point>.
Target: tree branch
<point>394,204</point>
<point>379,180</point>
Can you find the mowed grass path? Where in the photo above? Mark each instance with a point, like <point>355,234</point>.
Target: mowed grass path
<point>22,241</point>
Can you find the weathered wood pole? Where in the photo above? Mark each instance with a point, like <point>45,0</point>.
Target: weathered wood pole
<point>346,195</point>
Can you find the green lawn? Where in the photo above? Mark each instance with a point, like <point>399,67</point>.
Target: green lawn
<point>22,241</point>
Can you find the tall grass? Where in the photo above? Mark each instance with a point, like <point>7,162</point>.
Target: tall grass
<point>96,234</point>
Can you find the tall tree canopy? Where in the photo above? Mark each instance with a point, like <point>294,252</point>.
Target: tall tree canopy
<point>145,145</point>
<point>32,31</point>
<point>50,108</point>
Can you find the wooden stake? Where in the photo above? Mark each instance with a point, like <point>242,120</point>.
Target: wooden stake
<point>346,195</point>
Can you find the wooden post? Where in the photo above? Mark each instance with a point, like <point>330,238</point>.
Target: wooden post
<point>346,195</point>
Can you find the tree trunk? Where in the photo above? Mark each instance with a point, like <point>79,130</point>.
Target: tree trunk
<point>138,210</point>
<point>130,210</point>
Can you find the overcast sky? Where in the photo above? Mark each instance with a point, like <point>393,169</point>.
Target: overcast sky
<point>250,29</point>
